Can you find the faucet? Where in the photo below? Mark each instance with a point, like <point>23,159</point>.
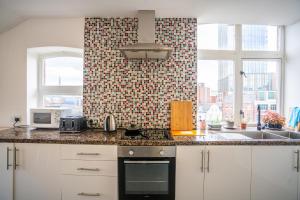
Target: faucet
<point>258,118</point>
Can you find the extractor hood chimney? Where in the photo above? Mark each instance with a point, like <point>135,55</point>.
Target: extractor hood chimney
<point>146,48</point>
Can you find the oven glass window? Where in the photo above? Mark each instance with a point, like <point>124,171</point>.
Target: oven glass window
<point>147,177</point>
<point>42,118</point>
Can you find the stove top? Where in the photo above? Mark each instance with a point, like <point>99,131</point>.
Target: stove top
<point>149,134</point>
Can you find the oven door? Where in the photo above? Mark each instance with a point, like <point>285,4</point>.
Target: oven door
<point>147,178</point>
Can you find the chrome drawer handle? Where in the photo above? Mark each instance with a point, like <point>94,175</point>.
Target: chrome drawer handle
<point>15,165</point>
<point>202,161</point>
<point>88,154</point>
<point>208,160</point>
<point>88,169</point>
<point>7,158</point>
<point>297,166</point>
<point>89,194</point>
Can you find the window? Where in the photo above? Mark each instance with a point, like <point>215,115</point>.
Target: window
<point>63,71</point>
<point>273,107</point>
<point>61,81</point>
<point>239,68</point>
<point>216,36</point>
<point>263,107</point>
<point>259,38</point>
<point>215,89</point>
<point>260,81</point>
<point>62,101</point>
<point>271,95</point>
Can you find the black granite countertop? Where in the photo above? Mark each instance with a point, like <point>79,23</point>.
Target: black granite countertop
<point>98,136</point>
<point>27,135</point>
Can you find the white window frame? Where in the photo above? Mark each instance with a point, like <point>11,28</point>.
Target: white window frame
<point>55,90</point>
<point>238,55</point>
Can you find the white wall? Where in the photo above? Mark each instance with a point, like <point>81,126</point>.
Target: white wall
<point>32,81</point>
<point>68,32</point>
<point>292,74</point>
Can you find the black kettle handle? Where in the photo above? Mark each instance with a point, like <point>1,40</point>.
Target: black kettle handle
<point>107,123</point>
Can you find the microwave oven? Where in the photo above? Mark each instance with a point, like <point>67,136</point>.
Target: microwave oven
<point>47,117</point>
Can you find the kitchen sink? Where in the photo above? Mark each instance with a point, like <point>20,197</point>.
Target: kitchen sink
<point>263,136</point>
<point>288,134</point>
<point>255,135</point>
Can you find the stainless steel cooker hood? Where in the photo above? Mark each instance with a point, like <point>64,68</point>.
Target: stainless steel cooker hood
<point>146,48</point>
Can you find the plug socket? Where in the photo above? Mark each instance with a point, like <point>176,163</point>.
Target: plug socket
<point>17,119</point>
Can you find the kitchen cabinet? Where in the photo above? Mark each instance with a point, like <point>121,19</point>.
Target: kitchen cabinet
<point>89,172</point>
<point>228,173</point>
<point>89,187</point>
<point>88,152</point>
<point>6,171</point>
<point>189,172</point>
<point>55,172</point>
<point>273,173</point>
<point>213,172</point>
<point>37,172</point>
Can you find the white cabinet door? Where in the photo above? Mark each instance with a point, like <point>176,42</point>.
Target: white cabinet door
<point>273,174</point>
<point>6,171</point>
<point>228,173</point>
<point>189,174</point>
<point>37,176</point>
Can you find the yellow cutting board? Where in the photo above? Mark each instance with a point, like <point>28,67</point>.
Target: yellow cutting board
<point>181,115</point>
<point>188,133</point>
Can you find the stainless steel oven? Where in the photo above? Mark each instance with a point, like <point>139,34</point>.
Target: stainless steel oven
<point>147,172</point>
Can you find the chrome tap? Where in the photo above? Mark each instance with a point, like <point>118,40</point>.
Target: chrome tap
<point>258,118</point>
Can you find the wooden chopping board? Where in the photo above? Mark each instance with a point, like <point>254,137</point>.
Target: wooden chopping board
<point>189,133</point>
<point>181,115</point>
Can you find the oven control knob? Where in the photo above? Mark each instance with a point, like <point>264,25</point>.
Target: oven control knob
<point>162,152</point>
<point>131,152</point>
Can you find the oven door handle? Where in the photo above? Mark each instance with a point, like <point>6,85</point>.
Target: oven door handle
<point>146,162</point>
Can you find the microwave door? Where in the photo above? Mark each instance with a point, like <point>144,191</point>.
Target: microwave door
<point>42,118</point>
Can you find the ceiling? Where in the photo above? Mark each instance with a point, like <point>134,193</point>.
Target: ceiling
<point>276,12</point>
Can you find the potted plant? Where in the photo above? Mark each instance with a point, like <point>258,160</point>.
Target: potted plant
<point>273,120</point>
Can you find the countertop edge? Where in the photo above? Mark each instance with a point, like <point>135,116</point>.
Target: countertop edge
<point>99,137</point>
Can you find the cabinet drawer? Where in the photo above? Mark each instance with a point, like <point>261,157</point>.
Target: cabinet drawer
<point>89,152</point>
<point>89,168</point>
<point>89,187</point>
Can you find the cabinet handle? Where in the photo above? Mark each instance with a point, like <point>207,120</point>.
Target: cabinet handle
<point>7,158</point>
<point>88,169</point>
<point>297,166</point>
<point>88,154</point>
<point>89,194</point>
<point>202,161</point>
<point>15,158</point>
<point>208,159</point>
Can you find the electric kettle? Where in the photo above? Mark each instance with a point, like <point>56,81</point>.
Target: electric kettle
<point>110,123</point>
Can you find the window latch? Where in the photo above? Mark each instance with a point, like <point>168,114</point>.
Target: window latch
<point>242,73</point>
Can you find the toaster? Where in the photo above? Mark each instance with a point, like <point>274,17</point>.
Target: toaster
<point>72,124</point>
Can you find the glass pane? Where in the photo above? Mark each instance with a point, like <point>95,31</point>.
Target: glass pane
<point>72,102</point>
<point>261,87</point>
<point>63,71</point>
<point>216,36</point>
<point>259,38</point>
<point>215,90</point>
<point>147,178</point>
<point>42,118</point>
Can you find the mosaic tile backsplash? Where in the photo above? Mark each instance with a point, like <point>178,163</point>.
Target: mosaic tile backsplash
<point>140,91</point>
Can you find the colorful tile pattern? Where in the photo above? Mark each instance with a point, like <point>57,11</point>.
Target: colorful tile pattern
<point>137,92</point>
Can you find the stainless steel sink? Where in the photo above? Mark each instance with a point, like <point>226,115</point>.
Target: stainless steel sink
<point>263,136</point>
<point>287,134</point>
<point>255,135</point>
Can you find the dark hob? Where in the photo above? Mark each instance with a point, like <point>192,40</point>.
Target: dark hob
<point>149,134</point>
